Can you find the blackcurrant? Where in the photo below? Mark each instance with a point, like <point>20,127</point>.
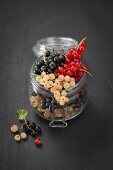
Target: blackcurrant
<point>47,53</point>
<point>33,133</point>
<point>56,59</point>
<point>32,125</point>
<point>62,64</point>
<point>49,99</point>
<point>43,105</point>
<point>43,68</point>
<point>52,65</point>
<point>42,62</point>
<point>26,128</point>
<point>38,130</point>
<point>50,58</point>
<point>49,71</point>
<point>37,71</point>
<point>62,58</point>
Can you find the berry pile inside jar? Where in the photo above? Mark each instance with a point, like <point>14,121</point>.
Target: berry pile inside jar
<point>58,73</point>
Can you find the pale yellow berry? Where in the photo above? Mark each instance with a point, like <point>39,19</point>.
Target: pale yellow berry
<point>58,113</point>
<point>23,135</point>
<point>55,86</point>
<point>46,86</point>
<point>64,93</point>
<point>51,76</point>
<point>72,83</point>
<point>38,77</point>
<point>66,85</point>
<point>62,103</point>
<point>70,109</point>
<point>46,77</point>
<point>46,114</point>
<point>42,81</point>
<point>61,77</point>
<point>57,82</point>
<point>57,98</point>
<point>59,87</point>
<point>50,83</point>
<point>66,99</point>
<point>63,98</point>
<point>14,128</point>
<point>67,78</point>
<point>56,93</point>
<point>17,138</point>
<point>52,89</point>
<point>43,74</point>
<point>72,79</point>
<point>34,101</point>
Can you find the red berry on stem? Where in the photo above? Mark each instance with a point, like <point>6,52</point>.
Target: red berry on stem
<point>65,73</point>
<point>38,142</point>
<point>69,73</point>
<point>72,63</point>
<point>83,43</point>
<point>69,55</point>
<point>85,68</point>
<point>79,57</point>
<point>76,60</point>
<point>72,50</point>
<point>78,65</point>
<point>75,54</point>
<point>68,61</point>
<point>80,74</point>
<point>60,69</point>
<point>82,49</point>
<point>73,69</point>
<point>66,66</point>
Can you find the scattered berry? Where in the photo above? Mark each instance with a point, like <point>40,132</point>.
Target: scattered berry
<point>38,142</point>
<point>17,138</point>
<point>14,128</point>
<point>23,135</point>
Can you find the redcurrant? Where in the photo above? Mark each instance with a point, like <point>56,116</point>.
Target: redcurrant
<point>83,43</point>
<point>60,69</point>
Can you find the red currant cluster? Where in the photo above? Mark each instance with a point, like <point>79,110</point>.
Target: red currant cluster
<point>73,66</point>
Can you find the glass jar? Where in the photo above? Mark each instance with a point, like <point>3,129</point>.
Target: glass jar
<point>56,114</point>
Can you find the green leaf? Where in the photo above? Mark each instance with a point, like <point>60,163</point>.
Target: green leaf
<point>22,113</point>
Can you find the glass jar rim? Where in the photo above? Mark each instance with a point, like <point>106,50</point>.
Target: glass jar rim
<point>46,43</point>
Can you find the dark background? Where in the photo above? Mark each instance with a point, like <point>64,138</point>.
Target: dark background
<point>87,142</point>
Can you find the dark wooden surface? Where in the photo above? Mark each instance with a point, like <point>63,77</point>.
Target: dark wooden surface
<point>87,143</point>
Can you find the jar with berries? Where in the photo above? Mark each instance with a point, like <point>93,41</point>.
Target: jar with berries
<point>57,88</point>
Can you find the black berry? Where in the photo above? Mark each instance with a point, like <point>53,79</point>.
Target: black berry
<point>32,125</point>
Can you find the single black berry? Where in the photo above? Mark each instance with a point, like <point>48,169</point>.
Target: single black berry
<point>47,53</point>
<point>43,68</point>
<point>62,64</point>
<point>52,65</point>
<point>33,133</point>
<point>50,58</point>
<point>38,130</point>
<point>32,125</point>
<point>43,105</point>
<point>49,71</point>
<point>37,71</point>
<point>26,128</point>
<point>56,59</point>
<point>62,58</point>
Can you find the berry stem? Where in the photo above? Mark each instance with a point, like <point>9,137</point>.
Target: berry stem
<point>86,72</point>
<point>29,127</point>
<point>80,43</point>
